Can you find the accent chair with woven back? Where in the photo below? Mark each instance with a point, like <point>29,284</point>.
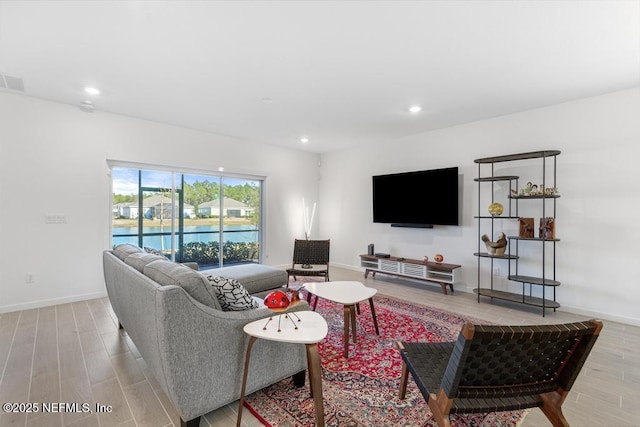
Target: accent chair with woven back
<point>310,258</point>
<point>500,368</point>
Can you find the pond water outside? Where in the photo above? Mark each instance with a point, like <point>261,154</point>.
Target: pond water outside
<point>196,233</point>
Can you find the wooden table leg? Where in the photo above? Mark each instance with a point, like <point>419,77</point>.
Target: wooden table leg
<point>347,319</point>
<point>315,381</point>
<point>373,313</point>
<point>353,324</point>
<point>244,379</point>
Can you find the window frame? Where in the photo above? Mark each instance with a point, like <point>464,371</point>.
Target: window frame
<point>179,173</point>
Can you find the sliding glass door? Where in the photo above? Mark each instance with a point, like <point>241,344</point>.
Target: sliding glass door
<point>211,220</point>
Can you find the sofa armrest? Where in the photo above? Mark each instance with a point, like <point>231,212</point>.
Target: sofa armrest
<point>191,265</point>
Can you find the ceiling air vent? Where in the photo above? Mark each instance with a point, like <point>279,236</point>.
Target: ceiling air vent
<point>10,82</point>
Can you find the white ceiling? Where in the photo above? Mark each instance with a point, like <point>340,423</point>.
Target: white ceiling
<point>341,73</point>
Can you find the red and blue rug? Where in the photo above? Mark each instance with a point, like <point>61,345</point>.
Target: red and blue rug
<point>363,390</point>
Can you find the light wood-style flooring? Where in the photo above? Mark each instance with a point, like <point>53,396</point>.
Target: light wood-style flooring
<point>75,353</point>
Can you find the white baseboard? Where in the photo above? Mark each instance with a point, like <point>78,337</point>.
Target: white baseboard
<point>601,316</point>
<point>583,312</point>
<point>48,302</point>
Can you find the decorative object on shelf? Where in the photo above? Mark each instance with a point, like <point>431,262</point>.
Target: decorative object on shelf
<point>370,249</point>
<point>496,248</point>
<point>535,190</point>
<point>551,191</point>
<point>438,258</point>
<point>526,227</point>
<point>426,259</point>
<point>281,301</point>
<point>496,209</point>
<point>528,189</point>
<point>547,228</point>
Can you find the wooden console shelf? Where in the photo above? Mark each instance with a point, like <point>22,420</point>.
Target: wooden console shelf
<point>433,272</point>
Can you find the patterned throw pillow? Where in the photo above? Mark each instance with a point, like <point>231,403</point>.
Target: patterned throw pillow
<point>231,295</point>
<point>154,251</point>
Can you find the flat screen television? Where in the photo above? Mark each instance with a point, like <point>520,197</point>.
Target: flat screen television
<point>416,199</point>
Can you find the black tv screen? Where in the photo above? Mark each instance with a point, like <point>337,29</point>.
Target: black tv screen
<point>417,199</point>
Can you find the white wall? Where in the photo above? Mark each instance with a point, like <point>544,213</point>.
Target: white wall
<point>598,178</point>
<point>53,160</point>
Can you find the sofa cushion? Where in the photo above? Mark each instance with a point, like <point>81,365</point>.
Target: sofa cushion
<point>255,277</point>
<point>123,250</point>
<point>231,295</point>
<point>171,273</point>
<point>139,260</point>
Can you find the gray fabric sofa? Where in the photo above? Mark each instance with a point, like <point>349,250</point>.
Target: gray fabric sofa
<point>195,350</point>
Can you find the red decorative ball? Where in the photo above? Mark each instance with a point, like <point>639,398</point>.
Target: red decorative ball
<point>277,301</point>
<point>438,258</point>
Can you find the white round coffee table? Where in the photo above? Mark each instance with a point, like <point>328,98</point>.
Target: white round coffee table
<point>349,294</point>
<point>310,330</point>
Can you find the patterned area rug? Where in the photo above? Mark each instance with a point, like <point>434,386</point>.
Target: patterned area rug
<point>363,390</point>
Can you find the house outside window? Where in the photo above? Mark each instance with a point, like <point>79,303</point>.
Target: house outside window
<point>188,217</point>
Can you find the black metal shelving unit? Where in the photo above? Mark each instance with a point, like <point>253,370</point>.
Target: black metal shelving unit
<point>547,278</point>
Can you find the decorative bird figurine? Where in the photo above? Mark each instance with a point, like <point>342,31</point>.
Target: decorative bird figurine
<point>496,248</point>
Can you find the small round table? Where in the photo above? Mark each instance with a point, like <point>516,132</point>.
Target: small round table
<point>349,294</point>
<point>311,329</point>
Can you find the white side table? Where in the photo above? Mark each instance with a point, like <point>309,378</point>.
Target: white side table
<point>349,294</point>
<point>312,329</point>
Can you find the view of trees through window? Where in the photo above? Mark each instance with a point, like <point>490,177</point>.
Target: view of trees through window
<point>211,220</point>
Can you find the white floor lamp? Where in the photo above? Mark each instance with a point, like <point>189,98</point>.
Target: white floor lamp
<point>308,222</point>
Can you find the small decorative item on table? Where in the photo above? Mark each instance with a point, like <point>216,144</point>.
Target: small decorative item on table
<point>438,258</point>
<point>426,259</point>
<point>496,209</point>
<point>279,302</point>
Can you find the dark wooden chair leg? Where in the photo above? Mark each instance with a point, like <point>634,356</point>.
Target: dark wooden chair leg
<point>298,379</point>
<point>191,423</point>
<point>403,381</point>
<point>552,408</point>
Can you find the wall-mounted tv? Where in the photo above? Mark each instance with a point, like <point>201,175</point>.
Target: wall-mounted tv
<point>416,199</point>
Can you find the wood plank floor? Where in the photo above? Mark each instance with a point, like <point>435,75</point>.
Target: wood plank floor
<point>75,353</point>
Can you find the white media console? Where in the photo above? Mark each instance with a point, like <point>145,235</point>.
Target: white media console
<point>434,272</point>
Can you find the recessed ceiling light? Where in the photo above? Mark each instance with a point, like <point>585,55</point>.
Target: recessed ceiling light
<point>304,140</point>
<point>415,109</point>
<point>92,90</point>
<point>220,169</point>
